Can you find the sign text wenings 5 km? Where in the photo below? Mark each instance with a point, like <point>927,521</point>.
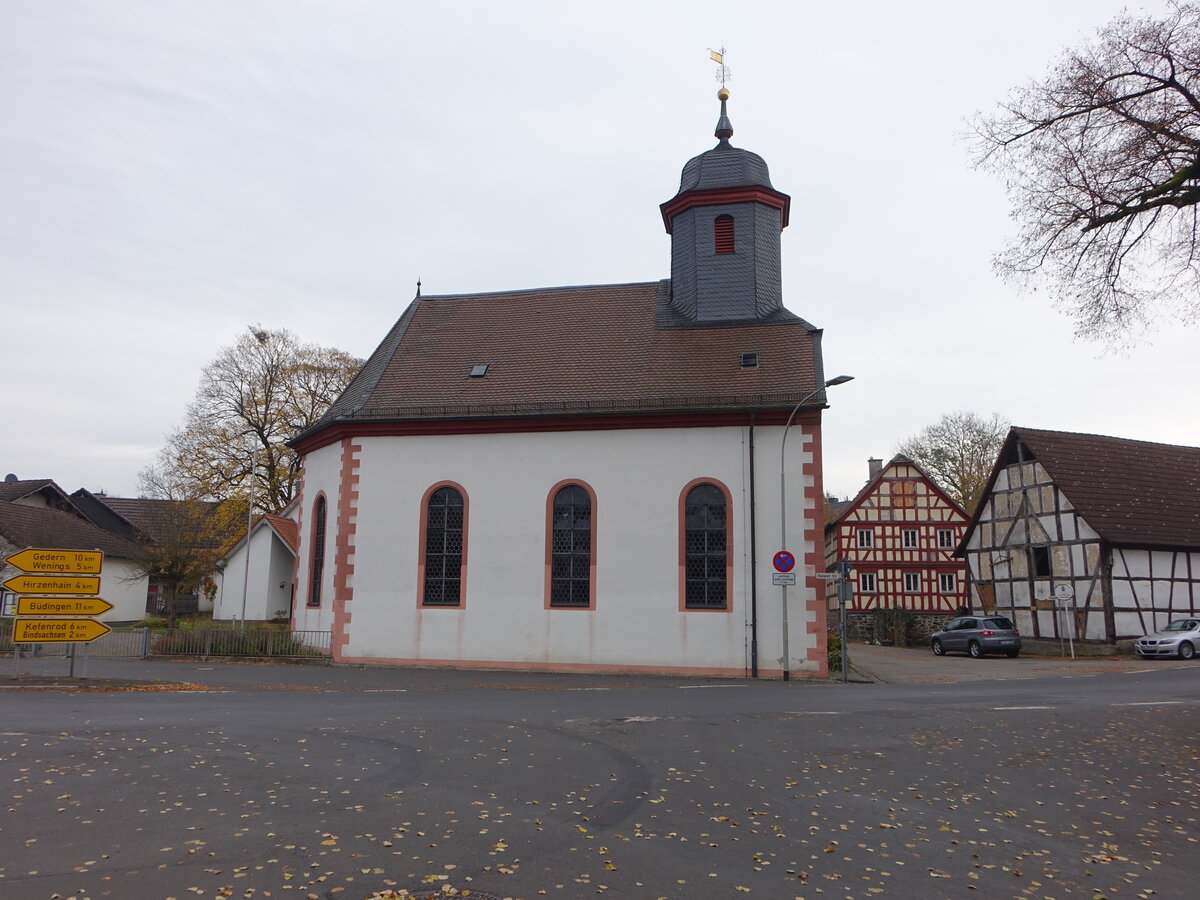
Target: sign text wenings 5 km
<point>47,561</point>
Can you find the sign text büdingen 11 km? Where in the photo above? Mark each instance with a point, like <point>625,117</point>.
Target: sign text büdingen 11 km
<point>62,606</point>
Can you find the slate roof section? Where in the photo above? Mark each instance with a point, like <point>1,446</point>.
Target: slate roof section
<point>724,166</point>
<point>575,351</point>
<point>1131,492</point>
<point>99,512</point>
<point>31,526</point>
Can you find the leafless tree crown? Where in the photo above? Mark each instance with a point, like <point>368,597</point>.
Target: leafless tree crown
<point>1102,162</point>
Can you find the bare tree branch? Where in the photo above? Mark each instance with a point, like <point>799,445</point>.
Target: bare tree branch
<point>1101,159</point>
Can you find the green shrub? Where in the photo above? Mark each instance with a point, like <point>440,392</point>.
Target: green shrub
<point>833,645</point>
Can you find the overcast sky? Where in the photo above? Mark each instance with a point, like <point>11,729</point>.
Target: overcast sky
<point>171,172</point>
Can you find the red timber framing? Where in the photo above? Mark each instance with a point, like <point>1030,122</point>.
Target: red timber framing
<point>899,535</point>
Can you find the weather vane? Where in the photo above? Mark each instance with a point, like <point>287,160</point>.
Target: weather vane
<point>718,56</point>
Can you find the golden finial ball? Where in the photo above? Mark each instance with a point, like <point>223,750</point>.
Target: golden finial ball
<point>722,95</point>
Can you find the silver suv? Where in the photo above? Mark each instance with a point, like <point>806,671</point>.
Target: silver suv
<point>977,635</point>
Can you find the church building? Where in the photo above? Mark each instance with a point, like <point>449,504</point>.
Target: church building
<point>588,478</point>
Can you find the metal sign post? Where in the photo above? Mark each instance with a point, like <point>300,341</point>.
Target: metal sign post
<point>843,602</point>
<point>1064,594</point>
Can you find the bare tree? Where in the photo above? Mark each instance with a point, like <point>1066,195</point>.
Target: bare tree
<point>1101,159</point>
<point>958,452</point>
<point>252,398</point>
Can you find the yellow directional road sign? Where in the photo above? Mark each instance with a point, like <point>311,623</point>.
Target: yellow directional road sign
<point>77,561</point>
<point>62,606</point>
<point>56,631</point>
<point>53,584</point>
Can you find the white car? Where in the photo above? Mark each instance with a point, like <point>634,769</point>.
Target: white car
<point>1180,638</point>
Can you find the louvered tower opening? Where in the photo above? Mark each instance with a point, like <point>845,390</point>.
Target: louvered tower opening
<point>723,234</point>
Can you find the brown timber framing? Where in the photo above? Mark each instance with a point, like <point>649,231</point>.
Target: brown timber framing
<point>1121,590</point>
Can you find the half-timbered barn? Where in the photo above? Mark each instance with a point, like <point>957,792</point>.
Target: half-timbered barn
<point>1086,536</point>
<point>899,534</point>
<point>575,478</point>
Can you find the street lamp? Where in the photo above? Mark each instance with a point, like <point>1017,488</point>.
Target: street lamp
<point>840,379</point>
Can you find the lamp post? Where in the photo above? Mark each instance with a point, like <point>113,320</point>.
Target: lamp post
<point>840,379</point>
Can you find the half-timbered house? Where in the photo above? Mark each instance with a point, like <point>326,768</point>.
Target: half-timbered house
<point>899,534</point>
<point>1086,536</point>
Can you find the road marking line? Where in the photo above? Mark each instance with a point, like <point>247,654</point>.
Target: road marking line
<point>819,712</point>
<point>1152,703</point>
<point>694,687</point>
<point>1022,707</point>
<point>386,691</point>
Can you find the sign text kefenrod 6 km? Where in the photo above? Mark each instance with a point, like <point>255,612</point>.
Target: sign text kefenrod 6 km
<point>57,631</point>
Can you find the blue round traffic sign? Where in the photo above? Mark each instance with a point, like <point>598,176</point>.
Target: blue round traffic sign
<point>784,561</point>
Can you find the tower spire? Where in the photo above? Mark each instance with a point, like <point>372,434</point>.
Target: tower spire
<point>724,127</point>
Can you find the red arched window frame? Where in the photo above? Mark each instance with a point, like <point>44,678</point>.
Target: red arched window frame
<point>723,234</point>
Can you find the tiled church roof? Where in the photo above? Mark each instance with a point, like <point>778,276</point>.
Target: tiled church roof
<point>576,351</point>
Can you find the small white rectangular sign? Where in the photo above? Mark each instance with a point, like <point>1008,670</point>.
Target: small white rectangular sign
<point>787,579</point>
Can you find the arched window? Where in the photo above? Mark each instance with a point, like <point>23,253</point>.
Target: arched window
<point>317,568</point>
<point>571,533</point>
<point>723,234</point>
<point>705,548</point>
<point>443,548</point>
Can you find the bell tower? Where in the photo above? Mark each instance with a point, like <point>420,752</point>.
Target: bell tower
<point>725,225</point>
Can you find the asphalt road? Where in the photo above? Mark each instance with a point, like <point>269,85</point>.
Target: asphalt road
<point>353,783</point>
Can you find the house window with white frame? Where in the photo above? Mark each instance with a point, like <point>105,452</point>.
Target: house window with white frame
<point>912,582</point>
<point>866,537</point>
<point>911,538</point>
<point>948,583</point>
<point>945,539</point>
<point>866,582</point>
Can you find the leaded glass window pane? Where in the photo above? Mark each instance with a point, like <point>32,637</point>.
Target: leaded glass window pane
<point>704,548</point>
<point>317,573</point>
<point>571,547</point>
<point>443,548</point>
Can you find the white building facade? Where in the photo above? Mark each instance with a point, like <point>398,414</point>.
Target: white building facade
<point>583,478</point>
<point>1087,537</point>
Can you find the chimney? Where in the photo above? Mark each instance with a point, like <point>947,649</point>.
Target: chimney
<point>874,467</point>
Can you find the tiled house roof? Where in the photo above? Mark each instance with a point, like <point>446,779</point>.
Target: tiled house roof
<point>154,518</point>
<point>31,526</point>
<point>43,488</point>
<point>1131,492</point>
<point>840,510</point>
<point>608,349</point>
<point>287,530</point>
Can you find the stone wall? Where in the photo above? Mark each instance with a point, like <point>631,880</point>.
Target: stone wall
<point>877,627</point>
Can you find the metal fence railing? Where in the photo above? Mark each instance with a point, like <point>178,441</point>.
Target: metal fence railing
<point>140,643</point>
<point>251,642</point>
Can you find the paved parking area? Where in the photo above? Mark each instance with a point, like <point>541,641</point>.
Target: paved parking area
<point>918,665</point>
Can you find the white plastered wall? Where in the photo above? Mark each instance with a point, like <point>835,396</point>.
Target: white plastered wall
<point>637,477</point>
